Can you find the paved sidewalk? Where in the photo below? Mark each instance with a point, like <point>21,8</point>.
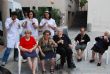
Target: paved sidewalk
<point>83,67</point>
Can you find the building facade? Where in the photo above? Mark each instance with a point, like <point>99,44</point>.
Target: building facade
<point>99,15</point>
<point>67,7</point>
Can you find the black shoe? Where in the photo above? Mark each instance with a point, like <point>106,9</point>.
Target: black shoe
<point>16,59</point>
<point>72,66</point>
<point>91,61</point>
<point>44,72</point>
<point>79,60</point>
<point>98,64</point>
<point>51,71</point>
<point>61,66</point>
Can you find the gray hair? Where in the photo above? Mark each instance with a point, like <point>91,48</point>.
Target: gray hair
<point>28,31</point>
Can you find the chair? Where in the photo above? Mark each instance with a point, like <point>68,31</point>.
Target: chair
<point>106,53</point>
<point>20,59</point>
<point>85,51</point>
<point>107,56</point>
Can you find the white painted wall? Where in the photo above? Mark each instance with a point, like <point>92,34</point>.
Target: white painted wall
<point>99,14</point>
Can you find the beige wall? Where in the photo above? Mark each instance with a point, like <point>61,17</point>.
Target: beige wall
<point>63,5</point>
<point>99,15</point>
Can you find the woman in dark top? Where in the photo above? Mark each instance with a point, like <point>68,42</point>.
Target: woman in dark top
<point>81,40</point>
<point>64,48</point>
<point>100,47</point>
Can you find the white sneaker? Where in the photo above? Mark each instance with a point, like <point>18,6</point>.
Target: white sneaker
<point>3,64</point>
<point>24,60</point>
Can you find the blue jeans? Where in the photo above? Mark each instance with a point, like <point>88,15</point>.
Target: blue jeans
<point>6,54</point>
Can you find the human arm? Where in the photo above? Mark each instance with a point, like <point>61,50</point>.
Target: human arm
<point>35,23</point>
<point>41,50</point>
<point>42,23</point>
<point>8,23</point>
<point>77,38</point>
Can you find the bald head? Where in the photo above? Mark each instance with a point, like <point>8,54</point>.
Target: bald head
<point>106,33</point>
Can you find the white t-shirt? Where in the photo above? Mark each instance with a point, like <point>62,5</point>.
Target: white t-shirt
<point>31,27</point>
<point>50,22</point>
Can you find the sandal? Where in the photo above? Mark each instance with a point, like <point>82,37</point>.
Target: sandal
<point>51,71</point>
<point>43,72</point>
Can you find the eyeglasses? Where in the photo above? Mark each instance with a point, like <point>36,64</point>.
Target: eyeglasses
<point>47,34</point>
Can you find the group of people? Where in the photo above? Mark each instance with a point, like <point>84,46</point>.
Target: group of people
<point>25,33</point>
<point>50,44</point>
<point>101,44</point>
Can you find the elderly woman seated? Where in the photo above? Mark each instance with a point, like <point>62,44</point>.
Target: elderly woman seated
<point>101,45</point>
<point>28,49</point>
<point>64,48</point>
<point>47,45</point>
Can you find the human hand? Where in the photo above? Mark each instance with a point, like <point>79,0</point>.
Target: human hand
<point>82,40</point>
<point>49,26</point>
<point>61,41</point>
<point>71,46</point>
<point>25,24</point>
<point>45,24</point>
<point>77,42</point>
<point>30,50</point>
<point>43,54</point>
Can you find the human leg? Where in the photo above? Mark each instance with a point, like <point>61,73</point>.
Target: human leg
<point>15,54</point>
<point>34,65</point>
<point>43,65</point>
<point>52,65</point>
<point>70,61</point>
<point>6,55</point>
<point>93,56</point>
<point>100,60</point>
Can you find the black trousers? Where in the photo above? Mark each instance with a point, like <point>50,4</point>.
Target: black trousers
<point>15,53</point>
<point>66,54</point>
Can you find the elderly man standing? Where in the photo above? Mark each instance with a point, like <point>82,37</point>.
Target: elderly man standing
<point>64,49</point>
<point>13,33</point>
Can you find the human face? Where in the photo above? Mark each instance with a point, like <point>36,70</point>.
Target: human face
<point>82,31</point>
<point>27,34</point>
<point>14,17</point>
<point>106,33</point>
<point>46,15</point>
<point>46,36</point>
<point>30,15</point>
<point>60,33</point>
